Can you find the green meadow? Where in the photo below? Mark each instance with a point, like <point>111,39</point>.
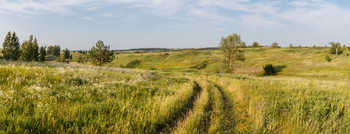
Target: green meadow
<point>179,92</point>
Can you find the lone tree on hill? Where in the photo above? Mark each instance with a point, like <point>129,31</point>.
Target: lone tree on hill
<point>30,50</point>
<point>100,54</point>
<point>229,47</point>
<point>275,45</point>
<point>11,47</point>
<point>42,53</point>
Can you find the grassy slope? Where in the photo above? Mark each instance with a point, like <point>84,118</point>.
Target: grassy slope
<point>57,98</point>
<point>295,62</point>
<point>309,95</point>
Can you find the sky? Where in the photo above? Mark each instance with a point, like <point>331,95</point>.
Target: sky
<point>124,24</point>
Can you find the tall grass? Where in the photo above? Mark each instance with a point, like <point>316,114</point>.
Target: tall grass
<point>63,99</point>
<point>267,105</point>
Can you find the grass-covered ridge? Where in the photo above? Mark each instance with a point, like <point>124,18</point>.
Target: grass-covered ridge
<point>291,62</point>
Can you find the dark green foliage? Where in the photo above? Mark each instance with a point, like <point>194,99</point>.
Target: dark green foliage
<point>335,46</point>
<point>255,44</point>
<point>30,50</point>
<point>82,51</point>
<point>100,54</point>
<point>54,50</point>
<point>269,69</point>
<point>327,58</point>
<point>42,53</point>
<point>201,65</point>
<point>66,53</point>
<point>11,47</point>
<point>133,64</point>
<point>291,46</point>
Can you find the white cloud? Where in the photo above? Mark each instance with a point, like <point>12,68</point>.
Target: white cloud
<point>203,14</point>
<point>86,18</point>
<point>318,14</point>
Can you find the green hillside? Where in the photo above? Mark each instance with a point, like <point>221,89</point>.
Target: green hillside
<point>178,92</point>
<point>296,62</point>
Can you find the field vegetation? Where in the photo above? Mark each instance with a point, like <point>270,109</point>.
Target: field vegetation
<point>273,90</point>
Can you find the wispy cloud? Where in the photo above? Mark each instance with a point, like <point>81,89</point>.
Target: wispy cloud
<point>310,13</point>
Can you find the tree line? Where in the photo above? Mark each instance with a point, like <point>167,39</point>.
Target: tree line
<point>30,51</point>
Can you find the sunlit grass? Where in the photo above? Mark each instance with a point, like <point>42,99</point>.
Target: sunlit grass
<point>65,99</point>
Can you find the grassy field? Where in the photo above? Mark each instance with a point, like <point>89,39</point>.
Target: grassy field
<point>179,92</point>
<point>289,62</point>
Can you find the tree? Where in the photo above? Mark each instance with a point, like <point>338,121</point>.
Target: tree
<point>242,45</point>
<point>255,44</point>
<point>42,53</point>
<point>100,54</point>
<point>229,47</point>
<point>11,47</point>
<point>66,53</point>
<point>54,50</point>
<point>335,48</point>
<point>30,50</point>
<point>290,45</point>
<point>275,45</point>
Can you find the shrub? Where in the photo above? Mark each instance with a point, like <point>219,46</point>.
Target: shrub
<point>275,45</point>
<point>133,64</point>
<point>269,69</point>
<point>255,44</point>
<point>328,58</point>
<point>335,48</point>
<point>80,59</point>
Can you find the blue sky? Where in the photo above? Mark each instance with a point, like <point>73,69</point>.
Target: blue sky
<point>122,24</point>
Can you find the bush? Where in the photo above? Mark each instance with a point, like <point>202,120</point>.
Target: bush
<point>328,58</point>
<point>275,45</point>
<point>133,64</point>
<point>269,69</point>
<point>80,59</point>
<point>255,44</point>
<point>334,47</point>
